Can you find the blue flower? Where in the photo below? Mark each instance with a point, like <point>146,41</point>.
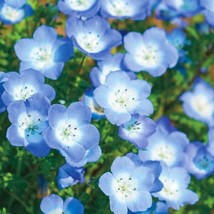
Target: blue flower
<point>175,182</point>
<point>125,9</point>
<point>121,97</point>
<point>72,134</point>
<point>93,36</point>
<point>82,8</point>
<point>69,176</point>
<point>54,204</point>
<point>29,124</point>
<point>200,161</point>
<point>44,53</point>
<point>171,9</point>
<point>199,102</point>
<point>128,186</point>
<point>177,38</point>
<point>96,110</point>
<point>166,146</point>
<point>109,64</point>
<point>4,77</point>
<point>208,6</point>
<point>149,52</point>
<point>13,11</point>
<point>24,85</point>
<point>137,130</point>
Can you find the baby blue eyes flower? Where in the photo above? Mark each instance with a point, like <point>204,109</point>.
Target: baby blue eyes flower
<point>167,147</point>
<point>93,36</point>
<point>132,9</point>
<point>53,204</point>
<point>175,193</point>
<point>69,176</point>
<point>13,11</point>
<point>72,134</point>
<point>121,97</point>
<point>208,6</point>
<point>128,186</point>
<point>199,102</point>
<point>149,52</point>
<point>24,85</point>
<point>29,123</point>
<point>4,77</point>
<point>86,8</point>
<point>44,53</point>
<point>201,157</point>
<point>137,130</point>
<point>108,64</point>
<point>171,9</point>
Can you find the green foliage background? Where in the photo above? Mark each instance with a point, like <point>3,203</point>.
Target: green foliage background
<point>19,170</point>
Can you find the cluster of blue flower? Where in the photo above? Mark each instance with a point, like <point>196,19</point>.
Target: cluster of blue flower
<point>166,158</point>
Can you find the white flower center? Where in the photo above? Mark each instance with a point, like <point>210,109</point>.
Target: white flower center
<point>164,152</point>
<point>120,8</point>
<point>42,57</point>
<point>202,105</point>
<point>125,188</point>
<point>30,125</point>
<point>148,56</point>
<point>121,99</point>
<point>11,14</point>
<point>80,5</point>
<point>23,92</point>
<point>170,189</point>
<point>68,132</point>
<point>90,42</point>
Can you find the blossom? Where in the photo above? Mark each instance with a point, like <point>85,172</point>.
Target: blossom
<point>72,134</point>
<point>137,130</point>
<point>170,9</point>
<point>86,8</point>
<point>54,204</point>
<point>175,182</point>
<point>127,186</point>
<point>200,162</point>
<point>132,9</point>
<point>201,157</point>
<point>24,85</point>
<point>109,64</point>
<point>208,6</point>
<point>13,11</point>
<point>29,123</point>
<point>4,77</point>
<point>166,146</point>
<point>149,52</point>
<point>68,175</point>
<point>44,53</point>
<point>93,36</point>
<point>121,97</point>
<point>199,102</point>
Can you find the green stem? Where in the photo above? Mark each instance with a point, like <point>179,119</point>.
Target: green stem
<point>80,65</point>
<point>17,199</point>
